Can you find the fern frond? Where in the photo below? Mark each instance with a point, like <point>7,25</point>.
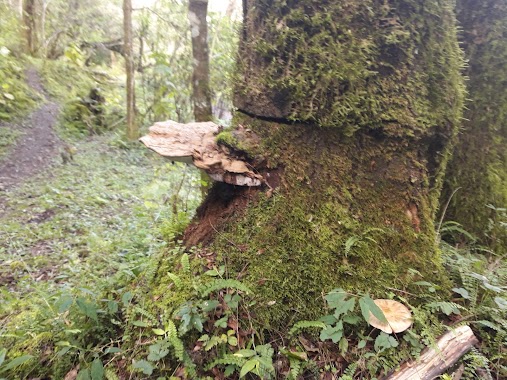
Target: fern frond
<point>447,308</point>
<point>220,284</point>
<point>302,325</point>
<point>185,263</point>
<point>146,314</point>
<point>175,279</point>
<point>109,374</point>
<point>228,359</point>
<point>295,368</point>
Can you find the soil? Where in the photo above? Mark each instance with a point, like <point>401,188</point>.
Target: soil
<point>36,148</point>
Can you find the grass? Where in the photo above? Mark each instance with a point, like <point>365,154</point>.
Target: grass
<point>8,138</point>
<point>82,230</point>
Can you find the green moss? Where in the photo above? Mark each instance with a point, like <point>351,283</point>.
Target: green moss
<point>479,165</point>
<point>353,65</point>
<point>340,220</point>
<point>227,138</point>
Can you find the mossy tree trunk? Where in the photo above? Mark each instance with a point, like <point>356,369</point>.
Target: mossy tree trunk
<point>479,165</point>
<point>356,103</point>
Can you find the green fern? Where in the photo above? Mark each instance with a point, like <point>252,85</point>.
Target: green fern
<point>303,325</point>
<point>109,374</point>
<point>185,263</point>
<point>220,284</point>
<point>348,374</point>
<point>175,279</point>
<point>227,359</point>
<point>295,368</point>
<point>447,308</point>
<point>146,314</point>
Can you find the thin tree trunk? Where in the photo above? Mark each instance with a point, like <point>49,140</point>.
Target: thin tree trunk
<point>197,11</point>
<point>30,29</point>
<point>132,129</point>
<point>479,165</point>
<point>354,105</point>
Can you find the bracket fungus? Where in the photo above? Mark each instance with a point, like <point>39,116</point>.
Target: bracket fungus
<point>195,143</point>
<point>399,317</point>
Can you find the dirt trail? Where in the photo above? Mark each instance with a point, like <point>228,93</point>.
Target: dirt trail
<point>38,145</point>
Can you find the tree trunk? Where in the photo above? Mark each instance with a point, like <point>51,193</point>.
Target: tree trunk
<point>197,11</point>
<point>355,104</point>
<point>30,29</point>
<point>128,52</point>
<point>479,165</point>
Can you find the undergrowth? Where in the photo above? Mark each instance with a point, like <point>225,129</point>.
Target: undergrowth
<point>72,249</point>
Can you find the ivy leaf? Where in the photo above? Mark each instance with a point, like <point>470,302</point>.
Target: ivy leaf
<point>158,331</point>
<point>384,342</point>
<point>87,308</point>
<point>158,351</point>
<point>248,367</point>
<point>335,297</point>
<point>501,302</point>
<point>16,362</point>
<point>345,307</point>
<point>64,303</point>
<point>97,370</point>
<point>367,305</point>
<point>333,333</point>
<point>343,345</point>
<point>209,305</point>
<point>144,366</point>
<point>222,322</point>
<point>3,352</point>
<point>84,374</point>
<point>245,353</point>
<point>462,292</point>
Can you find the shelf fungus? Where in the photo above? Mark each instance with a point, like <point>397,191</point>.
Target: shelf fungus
<point>195,143</point>
<point>398,316</point>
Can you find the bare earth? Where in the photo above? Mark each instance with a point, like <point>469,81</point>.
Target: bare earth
<point>36,148</point>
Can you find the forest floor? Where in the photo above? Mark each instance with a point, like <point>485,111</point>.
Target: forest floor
<point>63,224</point>
<point>37,142</point>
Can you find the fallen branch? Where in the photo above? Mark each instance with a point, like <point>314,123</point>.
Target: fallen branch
<point>434,361</point>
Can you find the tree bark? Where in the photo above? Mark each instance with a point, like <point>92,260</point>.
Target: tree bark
<point>132,129</point>
<point>433,362</point>
<point>479,164</point>
<point>30,27</point>
<point>197,11</point>
<point>355,105</point>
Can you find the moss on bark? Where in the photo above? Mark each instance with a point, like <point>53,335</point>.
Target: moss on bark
<point>353,204</point>
<point>479,164</point>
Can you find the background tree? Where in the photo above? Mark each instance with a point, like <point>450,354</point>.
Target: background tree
<point>128,52</point>
<point>479,164</point>
<point>197,12</point>
<point>354,104</point>
<point>30,29</point>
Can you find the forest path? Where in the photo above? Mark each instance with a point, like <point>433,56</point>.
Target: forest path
<point>36,147</point>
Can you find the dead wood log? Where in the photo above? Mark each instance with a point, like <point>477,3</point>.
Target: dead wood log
<point>434,361</point>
